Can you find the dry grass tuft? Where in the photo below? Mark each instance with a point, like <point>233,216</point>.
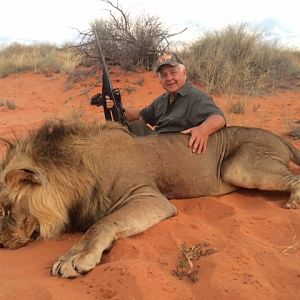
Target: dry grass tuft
<point>39,58</point>
<point>238,60</point>
<point>185,266</point>
<point>237,108</point>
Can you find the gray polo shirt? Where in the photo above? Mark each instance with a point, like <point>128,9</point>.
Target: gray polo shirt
<point>190,108</point>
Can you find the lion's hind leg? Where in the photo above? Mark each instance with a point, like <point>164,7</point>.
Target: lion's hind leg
<point>143,209</point>
<point>261,168</point>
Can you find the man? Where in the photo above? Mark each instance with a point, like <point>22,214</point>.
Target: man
<point>183,108</point>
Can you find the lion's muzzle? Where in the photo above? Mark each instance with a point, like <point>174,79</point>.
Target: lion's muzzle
<point>18,233</point>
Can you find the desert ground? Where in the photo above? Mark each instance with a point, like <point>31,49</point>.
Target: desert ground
<point>255,242</point>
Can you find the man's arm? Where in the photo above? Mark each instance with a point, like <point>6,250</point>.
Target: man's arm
<point>130,113</point>
<point>200,134</point>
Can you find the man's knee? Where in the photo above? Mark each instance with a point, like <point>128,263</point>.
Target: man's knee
<point>140,128</point>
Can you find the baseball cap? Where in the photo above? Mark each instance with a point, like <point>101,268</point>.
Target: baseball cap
<point>168,58</point>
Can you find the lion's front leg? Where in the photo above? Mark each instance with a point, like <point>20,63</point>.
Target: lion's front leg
<point>141,212</point>
<point>83,256</point>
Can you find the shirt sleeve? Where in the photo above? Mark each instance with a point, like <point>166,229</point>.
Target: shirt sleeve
<point>148,113</point>
<point>208,107</point>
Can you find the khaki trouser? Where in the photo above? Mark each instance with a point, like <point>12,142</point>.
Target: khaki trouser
<point>139,128</point>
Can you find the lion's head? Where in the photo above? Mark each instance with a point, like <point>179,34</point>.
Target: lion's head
<point>29,204</point>
<point>17,226</point>
<point>44,179</point>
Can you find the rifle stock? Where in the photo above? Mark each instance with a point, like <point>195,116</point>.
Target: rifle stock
<point>117,113</point>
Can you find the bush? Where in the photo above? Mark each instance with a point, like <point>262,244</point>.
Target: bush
<point>129,42</point>
<point>10,105</point>
<point>38,58</point>
<point>235,60</point>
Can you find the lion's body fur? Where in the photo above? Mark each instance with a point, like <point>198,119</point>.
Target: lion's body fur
<point>69,176</point>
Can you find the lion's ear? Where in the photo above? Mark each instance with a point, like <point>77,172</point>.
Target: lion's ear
<point>19,176</point>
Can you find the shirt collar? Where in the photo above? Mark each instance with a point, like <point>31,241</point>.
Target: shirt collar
<point>183,91</point>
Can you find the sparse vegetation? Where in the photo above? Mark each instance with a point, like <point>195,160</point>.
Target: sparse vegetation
<point>127,41</point>
<point>185,266</point>
<point>139,81</point>
<point>130,89</point>
<point>10,105</point>
<point>40,58</point>
<point>232,60</point>
<point>235,60</point>
<point>237,108</point>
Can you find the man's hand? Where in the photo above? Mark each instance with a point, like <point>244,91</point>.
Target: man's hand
<point>198,139</point>
<point>200,134</point>
<point>109,102</point>
<point>131,113</point>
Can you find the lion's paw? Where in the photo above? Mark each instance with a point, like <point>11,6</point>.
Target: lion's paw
<point>74,265</point>
<point>292,204</point>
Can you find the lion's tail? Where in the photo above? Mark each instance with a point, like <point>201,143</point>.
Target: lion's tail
<point>295,153</point>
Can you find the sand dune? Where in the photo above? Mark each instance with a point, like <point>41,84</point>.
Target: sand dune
<point>255,241</point>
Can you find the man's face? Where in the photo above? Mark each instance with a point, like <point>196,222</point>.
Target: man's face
<point>172,78</point>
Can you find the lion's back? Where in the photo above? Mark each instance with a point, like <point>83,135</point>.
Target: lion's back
<point>180,173</point>
<point>183,174</point>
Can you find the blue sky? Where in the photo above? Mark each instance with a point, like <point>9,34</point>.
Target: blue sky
<point>56,21</point>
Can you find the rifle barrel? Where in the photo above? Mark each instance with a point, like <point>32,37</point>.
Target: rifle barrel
<point>117,112</point>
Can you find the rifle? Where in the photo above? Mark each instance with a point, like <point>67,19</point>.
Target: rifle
<point>117,113</point>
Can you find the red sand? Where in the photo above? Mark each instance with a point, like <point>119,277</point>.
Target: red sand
<point>256,240</point>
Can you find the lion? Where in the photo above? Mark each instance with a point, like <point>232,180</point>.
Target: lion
<point>101,180</point>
